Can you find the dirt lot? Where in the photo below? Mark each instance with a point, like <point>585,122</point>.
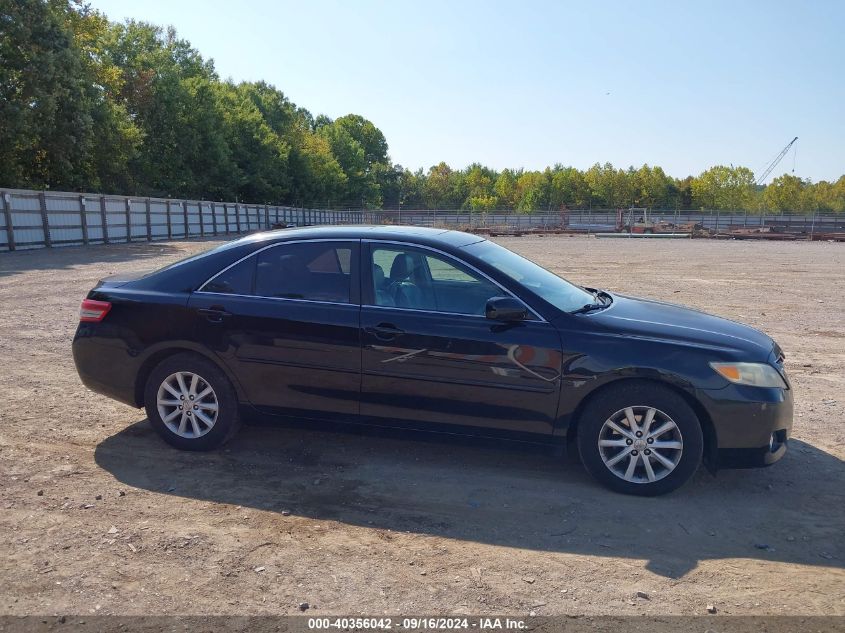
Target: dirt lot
<point>99,516</point>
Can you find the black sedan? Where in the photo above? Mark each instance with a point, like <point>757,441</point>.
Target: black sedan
<point>436,330</point>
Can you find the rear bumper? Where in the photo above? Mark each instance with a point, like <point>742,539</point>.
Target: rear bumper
<point>752,425</point>
<point>105,368</point>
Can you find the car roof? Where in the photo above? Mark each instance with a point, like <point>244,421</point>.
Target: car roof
<point>416,234</point>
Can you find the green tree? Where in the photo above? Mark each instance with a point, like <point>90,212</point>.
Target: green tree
<point>505,188</point>
<point>478,181</point>
<point>368,136</point>
<point>259,154</point>
<point>827,196</point>
<point>533,191</point>
<point>169,92</point>
<point>650,187</point>
<point>133,108</point>
<point>724,188</point>
<point>56,120</point>
<point>444,188</point>
<point>319,177</point>
<point>788,193</point>
<point>412,189</point>
<point>569,188</point>
<point>608,186</point>
<point>352,159</point>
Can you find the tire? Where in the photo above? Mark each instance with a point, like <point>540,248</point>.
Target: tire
<point>605,420</point>
<point>163,404</point>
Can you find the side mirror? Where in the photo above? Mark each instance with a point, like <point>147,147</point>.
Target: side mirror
<point>505,309</point>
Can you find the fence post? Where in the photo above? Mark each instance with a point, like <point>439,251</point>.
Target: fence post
<point>202,222</point>
<point>7,213</point>
<point>266,217</point>
<point>184,204</point>
<point>45,223</point>
<point>238,217</point>
<point>127,203</point>
<point>214,219</point>
<point>83,220</point>
<point>103,219</point>
<point>169,222</point>
<point>226,217</point>
<point>149,218</point>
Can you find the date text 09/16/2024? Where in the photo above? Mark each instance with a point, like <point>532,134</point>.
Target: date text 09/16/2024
<point>417,623</point>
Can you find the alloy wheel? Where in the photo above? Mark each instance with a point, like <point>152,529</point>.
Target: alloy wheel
<point>187,404</point>
<point>640,444</point>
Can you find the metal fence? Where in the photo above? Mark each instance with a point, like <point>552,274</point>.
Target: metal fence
<point>34,219</point>
<point>607,220</point>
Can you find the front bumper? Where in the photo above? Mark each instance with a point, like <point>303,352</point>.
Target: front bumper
<point>754,457</point>
<point>751,425</point>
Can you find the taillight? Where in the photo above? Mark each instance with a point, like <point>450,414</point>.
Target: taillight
<point>92,311</point>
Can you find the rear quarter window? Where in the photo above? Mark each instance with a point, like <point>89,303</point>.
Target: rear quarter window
<point>236,280</point>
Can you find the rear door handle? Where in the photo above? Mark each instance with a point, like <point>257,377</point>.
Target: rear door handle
<point>214,314</point>
<point>385,331</point>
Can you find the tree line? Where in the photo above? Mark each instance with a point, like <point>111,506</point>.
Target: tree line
<point>130,108</point>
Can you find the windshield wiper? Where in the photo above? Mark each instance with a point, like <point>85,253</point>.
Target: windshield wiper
<point>589,308</point>
<point>603,299</point>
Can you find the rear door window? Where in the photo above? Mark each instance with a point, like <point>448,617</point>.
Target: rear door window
<point>309,271</point>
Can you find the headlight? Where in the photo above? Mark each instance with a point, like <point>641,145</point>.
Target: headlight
<point>754,374</point>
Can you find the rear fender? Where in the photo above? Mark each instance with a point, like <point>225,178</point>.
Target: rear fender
<point>154,354</point>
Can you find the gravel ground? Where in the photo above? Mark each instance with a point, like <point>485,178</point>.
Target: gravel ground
<point>99,516</point>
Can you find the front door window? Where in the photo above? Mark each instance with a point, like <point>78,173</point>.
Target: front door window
<point>410,278</point>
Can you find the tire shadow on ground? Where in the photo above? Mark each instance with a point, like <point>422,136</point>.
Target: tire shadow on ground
<point>501,494</point>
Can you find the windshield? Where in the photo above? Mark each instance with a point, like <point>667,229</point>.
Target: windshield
<point>559,292</point>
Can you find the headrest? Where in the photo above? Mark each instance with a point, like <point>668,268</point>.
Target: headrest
<point>378,275</point>
<point>402,267</point>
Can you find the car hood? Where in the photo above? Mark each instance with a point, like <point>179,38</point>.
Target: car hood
<point>629,316</point>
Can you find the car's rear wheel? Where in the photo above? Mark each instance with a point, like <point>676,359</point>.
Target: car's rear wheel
<point>640,438</point>
<point>191,403</point>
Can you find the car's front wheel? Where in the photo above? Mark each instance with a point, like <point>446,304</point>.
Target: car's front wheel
<point>640,438</point>
<point>191,403</point>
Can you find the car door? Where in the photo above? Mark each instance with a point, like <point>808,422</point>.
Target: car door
<point>285,320</point>
<point>429,355</point>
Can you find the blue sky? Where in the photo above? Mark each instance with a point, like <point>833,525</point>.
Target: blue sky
<point>679,84</point>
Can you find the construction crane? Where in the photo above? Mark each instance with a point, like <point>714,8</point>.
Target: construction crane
<point>775,162</point>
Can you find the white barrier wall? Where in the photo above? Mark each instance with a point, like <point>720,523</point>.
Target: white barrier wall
<point>37,219</point>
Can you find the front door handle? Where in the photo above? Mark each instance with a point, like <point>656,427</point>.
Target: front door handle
<point>385,331</point>
<point>214,314</point>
